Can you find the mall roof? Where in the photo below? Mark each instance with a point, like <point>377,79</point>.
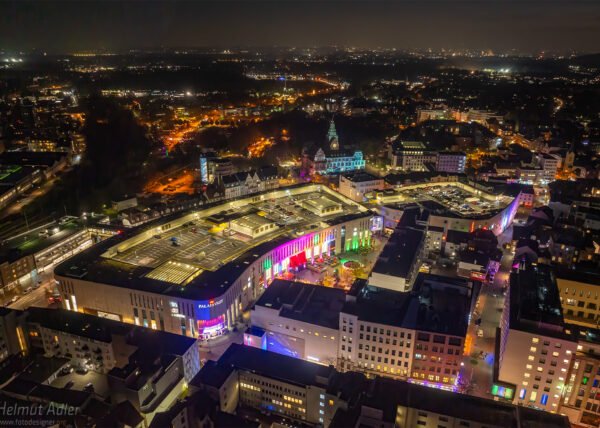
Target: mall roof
<point>90,265</point>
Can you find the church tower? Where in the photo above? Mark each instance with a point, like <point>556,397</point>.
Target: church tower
<point>332,137</point>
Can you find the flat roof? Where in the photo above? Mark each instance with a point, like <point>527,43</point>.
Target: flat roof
<point>437,304</point>
<point>360,176</point>
<point>399,253</point>
<point>212,256</point>
<point>103,329</point>
<point>264,363</point>
<point>310,303</point>
<point>535,305</point>
<point>387,394</point>
<point>32,243</point>
<point>449,199</point>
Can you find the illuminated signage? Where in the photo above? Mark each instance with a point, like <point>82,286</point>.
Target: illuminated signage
<point>210,304</point>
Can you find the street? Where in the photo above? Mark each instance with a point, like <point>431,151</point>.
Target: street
<point>478,364</point>
<point>37,297</point>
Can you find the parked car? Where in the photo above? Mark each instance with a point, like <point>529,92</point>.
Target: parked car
<point>65,371</point>
<point>28,290</point>
<point>81,370</point>
<point>69,384</point>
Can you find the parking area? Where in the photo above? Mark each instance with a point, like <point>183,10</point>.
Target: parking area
<point>455,198</point>
<point>79,382</point>
<point>209,241</point>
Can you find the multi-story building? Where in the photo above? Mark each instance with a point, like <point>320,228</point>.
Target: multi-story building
<point>398,263</point>
<point>331,159</point>
<point>13,340</point>
<point>550,165</point>
<point>297,319</point>
<point>246,183</point>
<point>23,258</point>
<point>298,391</point>
<point>391,403</point>
<point>452,162</point>
<point>535,345</point>
<point>355,185</point>
<point>579,296</point>
<point>255,384</point>
<point>143,368</point>
<point>581,397</point>
<point>418,335</point>
<point>107,346</point>
<point>193,274</point>
<point>411,155</point>
<point>462,206</point>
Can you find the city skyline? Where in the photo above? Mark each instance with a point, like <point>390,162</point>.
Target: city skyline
<point>525,27</point>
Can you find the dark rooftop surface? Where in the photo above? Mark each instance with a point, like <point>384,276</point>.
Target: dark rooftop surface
<point>437,304</point>
<point>399,252</point>
<point>102,329</point>
<point>304,302</point>
<point>269,364</point>
<point>387,394</point>
<point>31,243</point>
<point>361,176</point>
<point>579,274</point>
<point>89,265</point>
<point>535,302</point>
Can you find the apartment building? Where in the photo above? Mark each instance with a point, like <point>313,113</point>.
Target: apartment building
<point>535,345</point>
<point>246,379</point>
<point>581,396</point>
<point>579,296</point>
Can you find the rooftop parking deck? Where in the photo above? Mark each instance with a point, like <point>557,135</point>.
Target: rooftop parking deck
<point>460,200</point>
<point>187,249</point>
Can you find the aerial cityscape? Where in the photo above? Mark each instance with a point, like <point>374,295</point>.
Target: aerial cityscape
<point>300,214</point>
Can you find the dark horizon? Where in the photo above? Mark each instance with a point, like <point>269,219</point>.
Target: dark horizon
<point>522,26</point>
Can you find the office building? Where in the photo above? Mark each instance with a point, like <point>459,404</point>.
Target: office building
<point>411,156</point>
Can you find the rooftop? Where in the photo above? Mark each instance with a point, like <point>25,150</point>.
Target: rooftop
<point>399,253</point>
<point>103,329</point>
<point>196,254</point>
<point>535,302</point>
<point>304,302</point>
<point>437,304</point>
<point>387,394</point>
<point>265,363</point>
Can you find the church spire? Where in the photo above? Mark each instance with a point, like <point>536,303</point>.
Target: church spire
<point>332,137</point>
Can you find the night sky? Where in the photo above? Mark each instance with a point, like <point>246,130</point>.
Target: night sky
<point>527,26</point>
